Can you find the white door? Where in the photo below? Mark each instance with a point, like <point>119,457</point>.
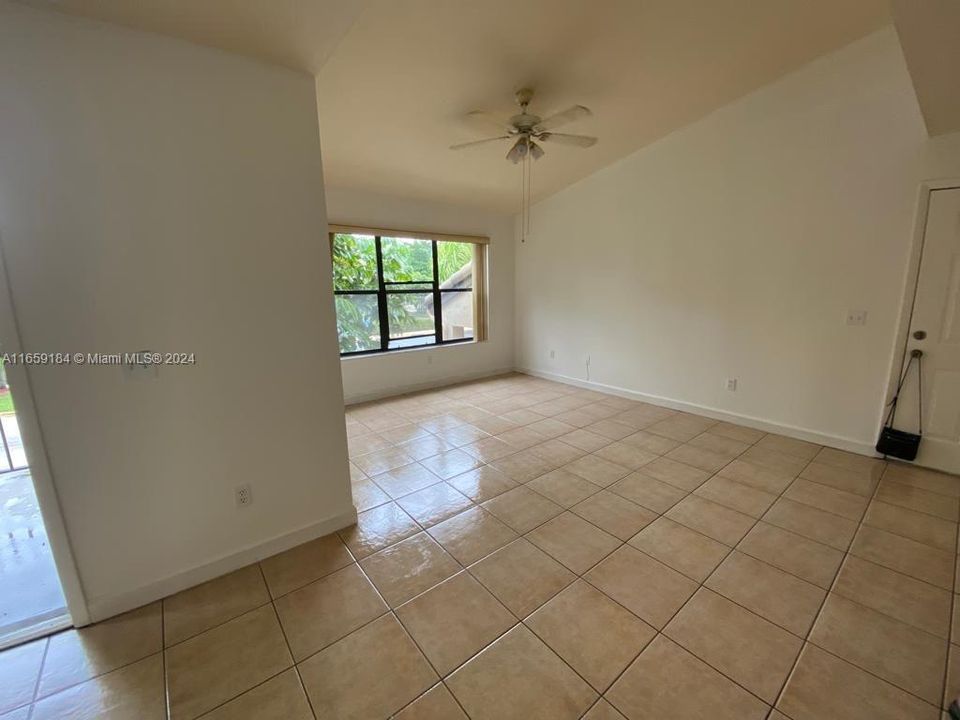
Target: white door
<point>935,329</point>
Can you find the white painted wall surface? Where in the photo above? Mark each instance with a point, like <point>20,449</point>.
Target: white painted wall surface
<point>373,376</point>
<point>155,194</point>
<point>734,247</point>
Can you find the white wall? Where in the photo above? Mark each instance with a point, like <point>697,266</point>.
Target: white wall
<point>734,248</point>
<point>156,194</point>
<point>373,376</point>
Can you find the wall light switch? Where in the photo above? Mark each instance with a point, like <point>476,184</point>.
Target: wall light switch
<point>856,317</point>
<point>731,384</point>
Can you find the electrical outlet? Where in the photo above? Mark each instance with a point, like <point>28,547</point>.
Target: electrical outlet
<point>856,317</point>
<point>731,384</point>
<point>244,495</point>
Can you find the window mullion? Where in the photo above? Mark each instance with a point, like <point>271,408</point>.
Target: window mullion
<point>382,299</point>
<point>437,309</point>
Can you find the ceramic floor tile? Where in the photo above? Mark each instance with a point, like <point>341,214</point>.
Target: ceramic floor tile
<point>854,481</point>
<point>716,521</point>
<point>522,509</point>
<point>824,686</point>
<point>824,497</point>
<point>657,444</point>
<point>774,460</point>
<point>736,496</point>
<point>471,535</point>
<point>408,568</point>
<point>615,514</point>
<point>699,457</point>
<point>685,550</point>
<point>905,555</point>
<point>603,711</point>
<point>77,655</point>
<point>743,646</point>
<point>557,452</point>
<point>450,463</point>
<point>668,683</point>
<point>325,610</point>
<point>924,479</point>
<point>757,476</point>
<point>912,601</point>
<point>463,434</point>
<point>454,621</point>
<point>714,442</point>
<point>951,690</point>
<point>551,427</point>
<point>489,449</point>
<point>597,637</point>
<point>425,447</point>
<point>482,483</point>
<point>367,443</point>
<point>434,504</point>
<point>676,473</point>
<point>573,541</point>
<point>192,611</point>
<point>648,492</point>
<point>404,433</point>
<point>378,528</point>
<point>279,698</point>
<point>305,563</point>
<point>435,704</point>
<point>564,488</point>
<point>626,455</point>
<point>681,426</point>
<point>850,461</point>
<point>736,432</point>
<point>380,461</point>
<point>524,466</point>
<point>405,480</point>
<point>807,559</point>
<point>917,526</point>
<point>20,670</point>
<point>909,658</point>
<point>133,692</point>
<point>772,594</point>
<point>610,429</point>
<point>942,506</point>
<point>586,440</point>
<point>371,673</point>
<point>523,437</point>
<point>790,446</point>
<point>517,678</point>
<point>367,494</point>
<point>224,662</point>
<point>597,470</point>
<point>812,523</point>
<point>522,576</point>
<point>646,587</point>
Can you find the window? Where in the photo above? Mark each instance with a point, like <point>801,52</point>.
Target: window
<point>397,291</point>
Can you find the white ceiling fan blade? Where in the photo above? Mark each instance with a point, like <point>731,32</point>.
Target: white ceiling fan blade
<point>461,146</point>
<point>576,112</point>
<point>487,121</point>
<point>583,141</point>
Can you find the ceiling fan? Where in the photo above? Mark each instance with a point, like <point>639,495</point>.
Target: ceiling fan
<point>527,129</point>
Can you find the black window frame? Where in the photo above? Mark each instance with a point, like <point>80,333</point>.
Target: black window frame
<point>383,292</point>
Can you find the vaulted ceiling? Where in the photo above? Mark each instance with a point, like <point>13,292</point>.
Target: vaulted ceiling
<point>396,77</point>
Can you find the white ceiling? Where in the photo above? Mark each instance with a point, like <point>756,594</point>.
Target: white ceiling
<point>396,77</point>
<point>930,36</point>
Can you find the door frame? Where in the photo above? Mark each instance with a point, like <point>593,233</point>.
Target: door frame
<point>37,458</point>
<point>910,286</point>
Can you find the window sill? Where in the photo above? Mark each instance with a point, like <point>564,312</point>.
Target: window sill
<point>406,351</point>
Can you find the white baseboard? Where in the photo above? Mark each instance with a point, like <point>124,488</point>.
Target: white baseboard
<point>358,398</point>
<point>834,441</point>
<point>106,607</point>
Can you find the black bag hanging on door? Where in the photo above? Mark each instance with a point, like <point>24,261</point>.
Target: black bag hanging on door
<point>899,443</point>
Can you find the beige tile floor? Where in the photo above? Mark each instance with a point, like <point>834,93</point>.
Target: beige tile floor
<point>531,550</point>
